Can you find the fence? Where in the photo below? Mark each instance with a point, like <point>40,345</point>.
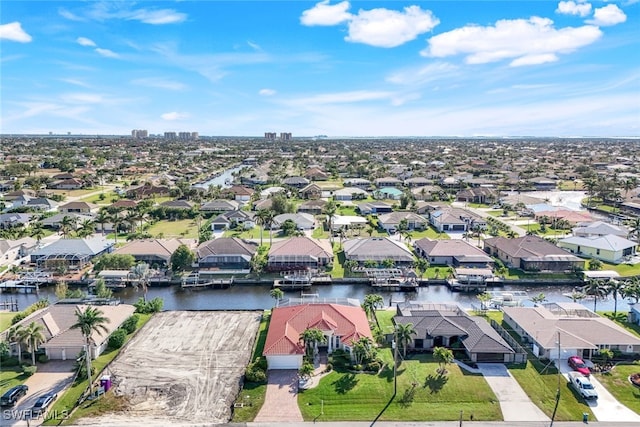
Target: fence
<point>521,353</point>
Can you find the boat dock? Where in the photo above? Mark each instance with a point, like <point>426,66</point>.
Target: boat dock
<point>196,281</point>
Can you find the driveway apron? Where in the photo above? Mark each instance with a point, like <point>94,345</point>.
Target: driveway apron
<point>281,400</point>
<point>514,402</point>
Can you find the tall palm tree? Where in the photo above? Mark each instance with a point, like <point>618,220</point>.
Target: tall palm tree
<point>634,229</point>
<point>15,335</point>
<point>33,336</point>
<point>404,335</point>
<point>370,304</point>
<point>597,289</point>
<point>615,288</point>
<point>141,272</point>
<point>37,231</point>
<point>632,289</point>
<point>277,294</point>
<point>311,337</point>
<point>88,321</point>
<point>87,228</point>
<point>329,211</point>
<point>67,225</point>
<point>102,218</point>
<point>268,219</point>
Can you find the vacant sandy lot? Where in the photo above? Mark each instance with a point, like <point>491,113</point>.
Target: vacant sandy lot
<point>184,367</point>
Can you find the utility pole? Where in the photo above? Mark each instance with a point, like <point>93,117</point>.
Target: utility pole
<point>553,416</point>
<point>395,360</point>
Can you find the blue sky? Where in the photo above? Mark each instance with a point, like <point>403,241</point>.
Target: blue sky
<point>351,68</point>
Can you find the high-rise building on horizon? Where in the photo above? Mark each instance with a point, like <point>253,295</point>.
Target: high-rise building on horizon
<point>285,136</point>
<point>139,133</point>
<point>270,136</point>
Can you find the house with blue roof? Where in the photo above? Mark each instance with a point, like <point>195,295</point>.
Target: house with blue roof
<point>74,254</point>
<point>388,193</point>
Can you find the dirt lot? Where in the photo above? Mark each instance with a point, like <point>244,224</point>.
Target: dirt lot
<point>183,368</point>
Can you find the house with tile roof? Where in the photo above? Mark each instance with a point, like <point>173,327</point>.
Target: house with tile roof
<point>452,252</point>
<point>341,325</point>
<point>532,253</point>
<point>313,207</point>
<point>299,253</point>
<point>377,249</point>
<point>226,253</point>
<point>155,252</point>
<point>582,332</point>
<point>608,248</point>
<point>449,326</point>
<point>63,343</point>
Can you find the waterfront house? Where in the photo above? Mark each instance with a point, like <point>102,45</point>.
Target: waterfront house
<point>11,250</point>
<point>226,254</point>
<point>63,343</point>
<point>532,253</point>
<point>55,221</point>
<point>452,252</point>
<point>342,325</point>
<point>390,222</point>
<point>608,248</point>
<point>449,326</point>
<point>299,253</point>
<point>599,228</point>
<point>240,193</point>
<point>155,252</point>
<point>73,254</point>
<point>581,331</point>
<point>377,249</point>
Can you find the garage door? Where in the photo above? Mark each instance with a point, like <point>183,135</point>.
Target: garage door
<point>490,357</point>
<point>565,353</point>
<point>284,362</point>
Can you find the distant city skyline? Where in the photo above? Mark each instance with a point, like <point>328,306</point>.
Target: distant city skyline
<point>342,69</point>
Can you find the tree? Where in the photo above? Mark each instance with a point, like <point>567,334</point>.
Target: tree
<point>266,217</point>
<point>14,335</point>
<point>597,289</point>
<point>422,265</point>
<point>443,356</point>
<point>351,265</point>
<point>33,336</point>
<point>595,264</point>
<point>634,229</point>
<point>277,294</point>
<point>289,227</point>
<point>388,263</point>
<point>363,350</point>
<point>114,262</point>
<point>404,335</point>
<point>67,225</point>
<point>37,231</point>
<point>306,370</point>
<point>311,337</point>
<point>632,289</point>
<point>89,321</point>
<point>329,211</point>
<point>484,298</point>
<point>101,289</point>
<point>182,259</point>
<point>615,288</point>
<point>86,229</point>
<point>102,218</point>
<point>370,304</point>
<point>577,296</point>
<point>539,299</point>
<point>141,273</point>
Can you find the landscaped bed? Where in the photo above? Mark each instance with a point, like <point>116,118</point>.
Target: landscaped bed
<point>618,384</point>
<point>422,394</point>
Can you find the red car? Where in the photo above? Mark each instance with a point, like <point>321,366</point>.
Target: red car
<point>577,364</point>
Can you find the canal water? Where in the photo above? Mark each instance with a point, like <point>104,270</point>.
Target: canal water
<point>255,297</point>
<point>223,180</point>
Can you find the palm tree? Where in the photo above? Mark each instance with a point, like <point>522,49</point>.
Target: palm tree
<point>87,228</point>
<point>330,210</point>
<point>14,335</point>
<point>616,289</point>
<point>261,218</point>
<point>443,356</point>
<point>33,336</point>
<point>102,218</point>
<point>596,289</point>
<point>577,296</point>
<point>89,321</point>
<point>311,337</point>
<point>267,221</point>
<point>484,298</point>
<point>370,304</point>
<point>141,272</point>
<point>67,224</point>
<point>404,334</point>
<point>37,232</point>
<point>277,294</point>
<point>634,229</point>
<point>362,349</point>
<point>539,299</point>
<point>422,265</point>
<point>632,289</point>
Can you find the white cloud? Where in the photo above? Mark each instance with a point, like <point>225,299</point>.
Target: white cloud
<point>267,92</point>
<point>83,41</point>
<point>75,82</point>
<point>156,17</point>
<point>160,83</point>
<point>608,15</point>
<point>390,28</point>
<point>254,46</point>
<point>527,42</point>
<point>174,115</point>
<point>107,53</point>
<point>340,98</point>
<point>325,14</point>
<point>82,98</point>
<point>70,16</point>
<point>573,8</point>
<point>14,32</point>
<point>428,73</point>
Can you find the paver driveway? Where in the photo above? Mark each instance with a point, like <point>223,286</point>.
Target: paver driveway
<point>281,400</point>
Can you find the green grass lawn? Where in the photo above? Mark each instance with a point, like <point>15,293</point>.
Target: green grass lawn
<point>252,395</point>
<point>180,228</point>
<point>253,233</point>
<point>625,270</point>
<point>106,200</point>
<point>68,400</point>
<point>617,382</point>
<point>430,232</point>
<point>385,320</point>
<point>9,377</point>
<point>320,233</point>
<point>338,262</point>
<point>5,320</point>
<point>422,394</point>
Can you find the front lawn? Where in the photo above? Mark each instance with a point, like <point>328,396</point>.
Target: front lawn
<point>179,228</point>
<point>618,384</point>
<point>385,320</point>
<point>9,377</point>
<point>422,394</point>
<point>5,320</point>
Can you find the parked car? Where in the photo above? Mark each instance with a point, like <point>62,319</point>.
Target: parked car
<point>12,395</point>
<point>577,364</point>
<point>43,403</point>
<point>582,385</point>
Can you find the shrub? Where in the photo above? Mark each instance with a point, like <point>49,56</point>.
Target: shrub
<point>261,363</point>
<point>117,338</point>
<point>372,366</point>
<point>10,361</point>
<point>357,367</point>
<point>146,307</point>
<point>29,370</point>
<point>18,317</point>
<point>329,367</point>
<point>43,358</point>
<point>130,324</point>
<point>254,374</point>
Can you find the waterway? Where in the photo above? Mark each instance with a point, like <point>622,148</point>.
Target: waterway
<point>256,297</point>
<point>223,180</point>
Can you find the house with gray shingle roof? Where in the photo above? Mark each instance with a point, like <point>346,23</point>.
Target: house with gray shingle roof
<point>449,326</point>
<point>377,249</point>
<point>74,253</point>
<point>609,248</point>
<point>226,253</point>
<point>155,252</point>
<point>390,222</point>
<point>454,252</point>
<point>532,253</point>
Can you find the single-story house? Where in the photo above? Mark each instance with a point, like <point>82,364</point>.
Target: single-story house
<point>271,191</point>
<point>417,181</point>
<point>240,193</point>
<point>296,181</point>
<point>341,325</point>
<point>377,249</point>
<point>390,222</point>
<point>388,193</point>
<point>387,181</point>
<point>311,192</point>
<point>634,314</point>
<point>347,222</point>
<point>453,252</point>
<point>64,343</point>
<point>155,252</point>
<point>11,250</point>
<point>74,253</point>
<point>313,207</point>
<point>177,204</point>
<point>532,253</point>
<point>226,253</point>
<point>456,219</point>
<point>242,219</point>
<point>304,221</point>
<point>78,208</point>
<point>67,184</point>
<point>368,208</point>
<point>357,182</point>
<point>42,204</point>
<point>220,205</point>
<point>571,217</point>
<point>581,331</point>
<point>147,190</point>
<point>350,193</point>
<point>609,248</point>
<point>477,195</point>
<point>56,220</point>
<point>8,220</point>
<point>599,228</point>
<point>299,253</point>
<point>427,192</point>
<point>316,174</point>
<point>449,326</point>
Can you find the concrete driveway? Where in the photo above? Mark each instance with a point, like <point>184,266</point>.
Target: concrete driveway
<point>607,407</point>
<point>281,400</point>
<point>514,402</point>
